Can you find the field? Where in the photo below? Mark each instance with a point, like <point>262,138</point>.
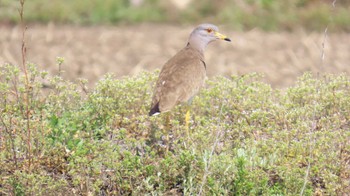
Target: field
<point>273,118</point>
<point>91,52</point>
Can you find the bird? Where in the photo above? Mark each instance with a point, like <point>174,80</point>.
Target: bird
<point>183,75</point>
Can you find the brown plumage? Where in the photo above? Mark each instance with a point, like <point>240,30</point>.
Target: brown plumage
<point>184,74</point>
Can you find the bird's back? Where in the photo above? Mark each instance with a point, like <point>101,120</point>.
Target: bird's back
<point>179,80</point>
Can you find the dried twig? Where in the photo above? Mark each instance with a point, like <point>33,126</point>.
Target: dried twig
<point>325,35</point>
<point>27,85</point>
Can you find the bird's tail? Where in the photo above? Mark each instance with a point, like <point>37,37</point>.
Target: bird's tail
<point>154,110</point>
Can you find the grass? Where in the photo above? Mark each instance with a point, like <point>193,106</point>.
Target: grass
<point>241,15</point>
<point>245,137</point>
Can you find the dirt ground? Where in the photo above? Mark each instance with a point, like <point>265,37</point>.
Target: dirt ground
<point>90,52</point>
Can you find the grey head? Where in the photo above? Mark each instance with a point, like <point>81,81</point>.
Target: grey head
<point>203,34</point>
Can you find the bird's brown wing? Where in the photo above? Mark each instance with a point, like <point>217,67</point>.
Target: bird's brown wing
<point>179,80</point>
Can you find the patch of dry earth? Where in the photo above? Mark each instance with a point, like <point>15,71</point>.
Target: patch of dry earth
<point>92,51</point>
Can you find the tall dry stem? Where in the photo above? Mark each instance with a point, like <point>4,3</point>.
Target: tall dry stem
<point>27,85</point>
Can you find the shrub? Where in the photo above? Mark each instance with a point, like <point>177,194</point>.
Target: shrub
<point>244,138</point>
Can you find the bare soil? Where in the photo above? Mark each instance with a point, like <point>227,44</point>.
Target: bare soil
<point>92,51</point>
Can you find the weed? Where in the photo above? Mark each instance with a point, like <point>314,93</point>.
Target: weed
<point>99,141</point>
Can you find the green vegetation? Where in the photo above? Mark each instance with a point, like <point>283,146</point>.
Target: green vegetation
<point>264,14</point>
<point>57,137</point>
<point>245,138</point>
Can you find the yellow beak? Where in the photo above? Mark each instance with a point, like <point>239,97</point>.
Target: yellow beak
<point>222,37</point>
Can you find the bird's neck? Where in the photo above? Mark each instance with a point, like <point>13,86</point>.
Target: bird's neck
<point>197,44</point>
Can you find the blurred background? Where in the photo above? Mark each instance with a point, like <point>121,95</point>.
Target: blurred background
<point>280,39</point>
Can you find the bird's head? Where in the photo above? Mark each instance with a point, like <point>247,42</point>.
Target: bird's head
<point>203,34</point>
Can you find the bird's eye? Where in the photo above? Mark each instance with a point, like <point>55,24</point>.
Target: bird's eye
<point>209,30</point>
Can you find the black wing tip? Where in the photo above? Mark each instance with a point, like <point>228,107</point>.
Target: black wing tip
<point>154,110</point>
